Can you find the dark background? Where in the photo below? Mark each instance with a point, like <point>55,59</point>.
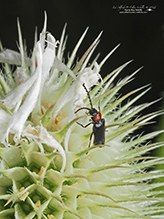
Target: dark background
<point>140,34</point>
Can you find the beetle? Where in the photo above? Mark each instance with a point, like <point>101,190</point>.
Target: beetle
<point>97,121</point>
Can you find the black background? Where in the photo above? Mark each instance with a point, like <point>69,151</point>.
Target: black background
<point>140,35</point>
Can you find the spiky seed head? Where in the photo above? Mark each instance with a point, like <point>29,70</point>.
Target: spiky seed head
<point>46,167</point>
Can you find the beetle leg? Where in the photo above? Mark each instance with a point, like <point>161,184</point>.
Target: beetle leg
<point>90,139</point>
<point>84,126</point>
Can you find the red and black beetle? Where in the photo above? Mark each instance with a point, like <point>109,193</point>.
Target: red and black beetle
<point>97,121</point>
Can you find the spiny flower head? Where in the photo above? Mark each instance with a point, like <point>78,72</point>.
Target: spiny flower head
<point>47,169</point>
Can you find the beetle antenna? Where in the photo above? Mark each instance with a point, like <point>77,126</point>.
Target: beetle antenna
<point>99,106</point>
<point>88,95</point>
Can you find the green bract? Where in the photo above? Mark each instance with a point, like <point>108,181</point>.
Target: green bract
<point>47,170</point>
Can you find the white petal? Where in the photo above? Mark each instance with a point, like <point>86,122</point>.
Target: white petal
<point>43,33</point>
<point>91,76</point>
<point>19,118</point>
<point>20,75</point>
<point>16,95</point>
<point>13,57</point>
<point>4,121</point>
<point>49,54</point>
<point>48,59</point>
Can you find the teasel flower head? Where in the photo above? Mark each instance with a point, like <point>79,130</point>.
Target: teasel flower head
<point>47,169</point>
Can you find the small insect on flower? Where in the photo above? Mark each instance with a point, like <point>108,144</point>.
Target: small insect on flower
<point>97,121</point>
